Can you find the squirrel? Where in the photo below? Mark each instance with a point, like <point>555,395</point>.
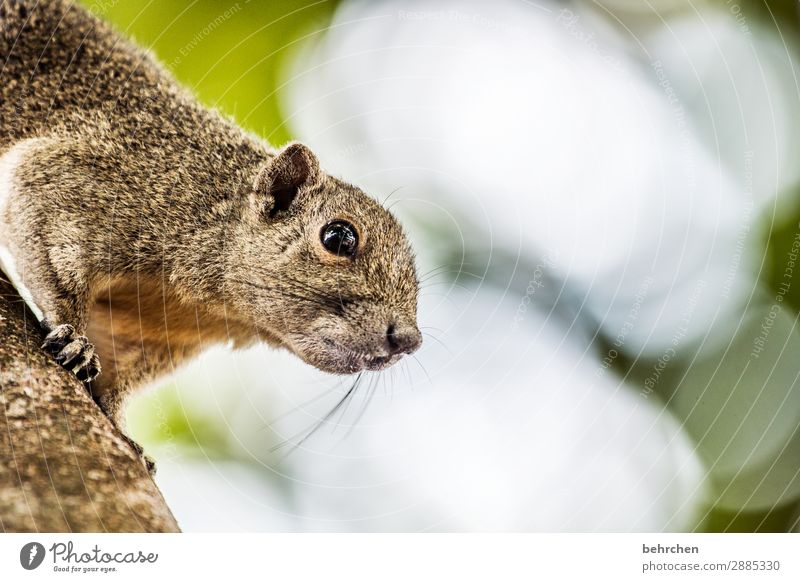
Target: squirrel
<point>146,227</point>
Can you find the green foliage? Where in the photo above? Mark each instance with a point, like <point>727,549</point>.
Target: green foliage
<point>782,274</point>
<point>162,419</point>
<point>230,53</point>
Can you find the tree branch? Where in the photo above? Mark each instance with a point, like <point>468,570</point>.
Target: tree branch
<point>63,466</point>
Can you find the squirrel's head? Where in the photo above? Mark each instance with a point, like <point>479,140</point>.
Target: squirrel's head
<point>323,269</point>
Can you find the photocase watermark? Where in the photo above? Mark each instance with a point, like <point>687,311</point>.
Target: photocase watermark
<point>351,150</point>
<point>101,6</point>
<point>571,22</point>
<point>683,125</point>
<point>785,284</point>
<point>534,284</point>
<point>741,19</point>
<point>669,354</point>
<point>627,327</point>
<point>31,555</point>
<point>168,449</point>
<point>744,227</point>
<point>65,558</point>
<point>458,17</point>
<point>205,32</point>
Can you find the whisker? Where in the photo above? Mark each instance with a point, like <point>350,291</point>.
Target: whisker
<point>367,397</point>
<point>392,193</point>
<point>389,374</point>
<point>301,406</point>
<point>407,371</point>
<point>341,299</point>
<point>442,295</point>
<point>432,275</point>
<point>442,283</point>
<point>393,204</point>
<point>416,359</point>
<point>316,299</point>
<point>457,272</point>
<point>318,425</point>
<point>438,341</point>
<point>434,328</point>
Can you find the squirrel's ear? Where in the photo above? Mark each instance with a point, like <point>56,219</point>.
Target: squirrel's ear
<point>279,180</point>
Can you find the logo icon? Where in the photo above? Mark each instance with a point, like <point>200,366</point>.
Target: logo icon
<point>31,555</point>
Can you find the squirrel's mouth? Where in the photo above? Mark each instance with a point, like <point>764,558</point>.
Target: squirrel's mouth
<point>337,355</point>
<point>346,360</point>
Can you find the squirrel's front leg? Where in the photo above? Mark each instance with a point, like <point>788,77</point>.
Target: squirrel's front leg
<point>43,241</point>
<point>65,314</point>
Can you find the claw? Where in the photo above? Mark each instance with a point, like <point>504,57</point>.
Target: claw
<point>73,352</point>
<point>58,337</point>
<point>90,370</point>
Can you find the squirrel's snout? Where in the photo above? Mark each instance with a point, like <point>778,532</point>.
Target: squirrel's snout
<point>372,353</point>
<point>402,339</point>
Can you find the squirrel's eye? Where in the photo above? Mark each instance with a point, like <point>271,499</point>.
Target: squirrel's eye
<point>340,238</point>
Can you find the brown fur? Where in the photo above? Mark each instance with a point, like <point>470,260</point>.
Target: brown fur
<point>157,227</point>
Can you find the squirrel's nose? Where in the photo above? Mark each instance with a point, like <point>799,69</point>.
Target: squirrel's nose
<point>402,339</point>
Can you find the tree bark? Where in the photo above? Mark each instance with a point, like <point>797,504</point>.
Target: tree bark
<point>63,465</point>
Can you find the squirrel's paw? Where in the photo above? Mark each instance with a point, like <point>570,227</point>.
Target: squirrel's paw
<point>73,352</point>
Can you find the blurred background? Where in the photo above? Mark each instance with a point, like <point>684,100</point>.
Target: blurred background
<point>604,201</point>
